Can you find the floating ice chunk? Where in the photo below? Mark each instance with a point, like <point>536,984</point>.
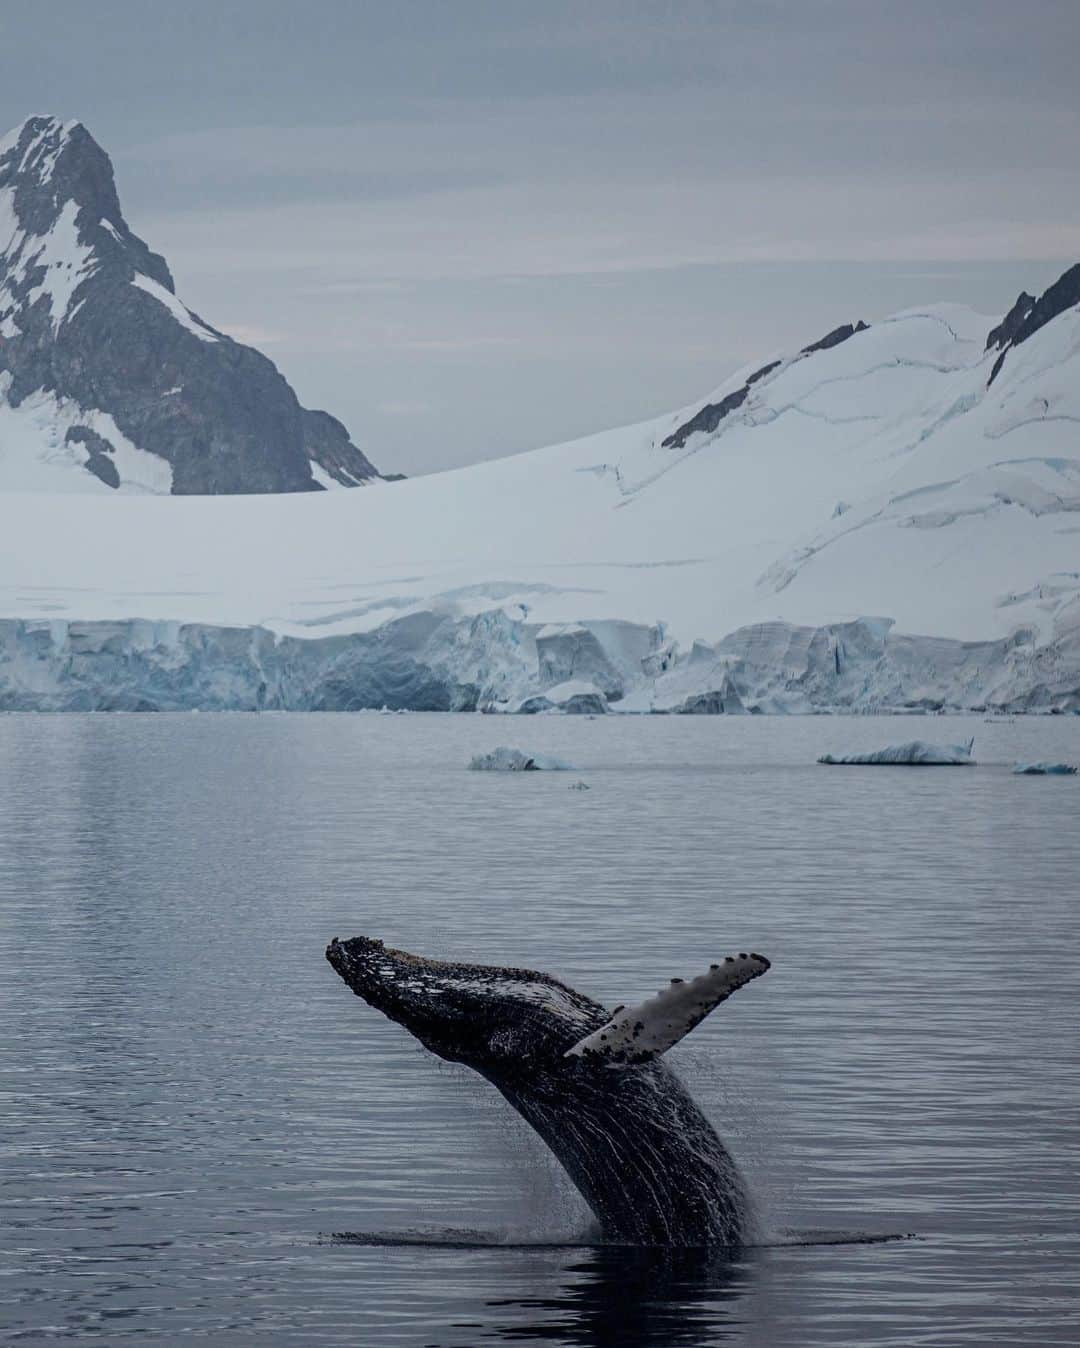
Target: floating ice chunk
<point>503,759</point>
<point>1044,769</point>
<point>916,753</point>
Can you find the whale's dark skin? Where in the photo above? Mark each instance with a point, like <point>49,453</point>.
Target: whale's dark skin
<point>644,1157</point>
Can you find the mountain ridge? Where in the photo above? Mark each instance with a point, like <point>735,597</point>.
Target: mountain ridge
<point>96,348</point>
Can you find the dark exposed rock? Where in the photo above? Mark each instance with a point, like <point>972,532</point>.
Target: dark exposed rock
<point>707,420</point>
<point>765,369</point>
<point>1009,326</point>
<point>103,468</point>
<point>711,415</point>
<point>1025,319</point>
<point>1062,295</point>
<point>327,443</point>
<point>89,313</point>
<point>98,449</point>
<point>997,367</point>
<point>83,435</point>
<point>834,338</point>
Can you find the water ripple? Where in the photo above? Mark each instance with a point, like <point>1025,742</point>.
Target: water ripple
<point>189,1099</point>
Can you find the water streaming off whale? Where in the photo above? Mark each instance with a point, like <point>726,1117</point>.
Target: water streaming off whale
<point>191,1103</point>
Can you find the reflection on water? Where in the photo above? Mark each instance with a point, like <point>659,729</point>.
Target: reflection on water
<point>631,1299</point>
<point>190,1099</point>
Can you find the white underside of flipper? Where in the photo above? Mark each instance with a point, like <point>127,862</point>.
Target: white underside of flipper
<point>638,1034</point>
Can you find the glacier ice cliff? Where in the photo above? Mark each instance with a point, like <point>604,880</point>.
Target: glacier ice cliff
<point>428,662</point>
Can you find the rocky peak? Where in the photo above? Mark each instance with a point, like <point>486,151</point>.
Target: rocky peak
<point>1009,326</point>
<point>50,163</point>
<point>141,393</point>
<point>834,338</point>
<point>64,215</point>
<point>1028,315</point>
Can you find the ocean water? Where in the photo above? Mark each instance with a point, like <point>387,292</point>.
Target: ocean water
<point>192,1104</point>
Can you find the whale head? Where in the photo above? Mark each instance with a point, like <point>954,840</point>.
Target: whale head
<point>501,1022</point>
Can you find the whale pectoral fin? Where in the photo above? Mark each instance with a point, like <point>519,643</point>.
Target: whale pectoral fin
<point>638,1034</point>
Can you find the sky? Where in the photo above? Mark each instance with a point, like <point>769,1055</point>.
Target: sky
<point>471,229</point>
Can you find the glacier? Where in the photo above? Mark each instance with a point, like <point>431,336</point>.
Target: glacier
<point>870,523</point>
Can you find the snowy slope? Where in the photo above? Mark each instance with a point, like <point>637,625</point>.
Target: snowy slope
<point>867,525</point>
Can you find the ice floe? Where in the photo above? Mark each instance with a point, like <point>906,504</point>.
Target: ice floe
<point>915,753</point>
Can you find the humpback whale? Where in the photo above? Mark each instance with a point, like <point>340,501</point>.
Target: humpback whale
<point>592,1083</point>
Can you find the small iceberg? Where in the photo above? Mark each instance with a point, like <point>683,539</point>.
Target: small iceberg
<point>513,760</point>
<point>1044,770</point>
<point>915,753</point>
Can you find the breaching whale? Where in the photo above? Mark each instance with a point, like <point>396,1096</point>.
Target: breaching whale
<point>592,1083</point>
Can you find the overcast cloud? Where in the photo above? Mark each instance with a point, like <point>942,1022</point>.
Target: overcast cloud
<point>470,229</point>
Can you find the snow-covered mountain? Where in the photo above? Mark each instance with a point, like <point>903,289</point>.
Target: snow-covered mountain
<point>886,518</point>
<point>108,383</point>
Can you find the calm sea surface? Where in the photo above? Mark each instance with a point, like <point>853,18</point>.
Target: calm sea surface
<point>192,1103</point>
